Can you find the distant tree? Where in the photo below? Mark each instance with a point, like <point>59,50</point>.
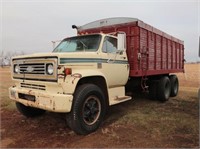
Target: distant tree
<point>2,59</point>
<point>8,58</point>
<point>5,58</point>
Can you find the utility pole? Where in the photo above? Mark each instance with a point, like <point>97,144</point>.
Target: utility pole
<point>199,56</point>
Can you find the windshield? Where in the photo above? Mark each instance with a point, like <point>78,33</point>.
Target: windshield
<point>89,43</point>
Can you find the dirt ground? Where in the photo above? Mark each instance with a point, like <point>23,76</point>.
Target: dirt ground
<point>138,123</point>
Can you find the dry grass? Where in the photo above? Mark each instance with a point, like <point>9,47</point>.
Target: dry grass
<point>191,77</point>
<point>137,123</point>
<point>164,118</point>
<point>5,83</point>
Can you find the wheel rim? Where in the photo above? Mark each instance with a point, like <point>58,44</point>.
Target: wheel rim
<point>91,110</point>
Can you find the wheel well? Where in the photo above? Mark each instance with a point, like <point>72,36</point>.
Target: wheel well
<point>97,80</point>
<point>155,78</point>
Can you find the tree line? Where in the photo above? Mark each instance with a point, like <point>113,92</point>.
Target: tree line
<point>6,57</point>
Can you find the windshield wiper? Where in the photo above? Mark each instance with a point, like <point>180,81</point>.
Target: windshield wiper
<point>84,45</point>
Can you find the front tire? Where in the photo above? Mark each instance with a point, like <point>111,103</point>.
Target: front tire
<point>88,110</point>
<point>29,111</point>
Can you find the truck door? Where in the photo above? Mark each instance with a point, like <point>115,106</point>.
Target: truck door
<point>115,66</point>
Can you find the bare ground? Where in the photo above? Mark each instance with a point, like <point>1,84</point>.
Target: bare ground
<point>137,123</point>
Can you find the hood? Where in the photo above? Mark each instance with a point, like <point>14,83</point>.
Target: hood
<point>59,55</point>
<point>37,55</point>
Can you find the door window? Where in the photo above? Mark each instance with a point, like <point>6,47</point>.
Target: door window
<point>109,45</point>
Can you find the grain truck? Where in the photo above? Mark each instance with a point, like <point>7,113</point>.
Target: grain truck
<point>87,73</point>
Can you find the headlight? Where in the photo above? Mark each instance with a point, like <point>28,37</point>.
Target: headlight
<point>16,69</point>
<point>50,69</point>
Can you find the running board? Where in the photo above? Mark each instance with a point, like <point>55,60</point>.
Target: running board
<point>117,99</point>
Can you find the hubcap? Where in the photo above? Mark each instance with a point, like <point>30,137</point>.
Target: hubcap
<point>91,110</point>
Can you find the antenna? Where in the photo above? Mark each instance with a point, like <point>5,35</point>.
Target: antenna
<point>54,43</point>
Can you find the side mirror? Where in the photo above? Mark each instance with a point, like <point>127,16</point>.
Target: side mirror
<point>121,41</point>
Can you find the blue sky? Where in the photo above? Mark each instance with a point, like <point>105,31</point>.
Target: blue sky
<point>30,26</point>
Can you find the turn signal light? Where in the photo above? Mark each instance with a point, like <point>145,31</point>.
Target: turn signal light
<point>68,71</point>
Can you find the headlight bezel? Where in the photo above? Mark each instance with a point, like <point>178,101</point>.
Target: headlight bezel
<point>49,68</point>
<point>16,68</point>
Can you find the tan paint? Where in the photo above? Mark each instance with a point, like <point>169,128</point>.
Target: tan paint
<point>58,96</point>
<point>47,101</point>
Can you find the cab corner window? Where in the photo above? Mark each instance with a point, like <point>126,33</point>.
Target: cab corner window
<point>109,45</point>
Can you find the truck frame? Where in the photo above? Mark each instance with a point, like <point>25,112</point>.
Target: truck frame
<point>87,73</point>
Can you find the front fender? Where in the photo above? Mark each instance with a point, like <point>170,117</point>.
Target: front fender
<point>71,81</point>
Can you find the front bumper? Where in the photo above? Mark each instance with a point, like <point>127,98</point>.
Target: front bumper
<point>42,100</point>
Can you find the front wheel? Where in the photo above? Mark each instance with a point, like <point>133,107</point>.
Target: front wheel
<point>29,111</point>
<point>88,110</point>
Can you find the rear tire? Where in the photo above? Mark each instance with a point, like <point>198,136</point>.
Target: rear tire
<point>29,111</point>
<point>164,89</point>
<point>174,85</point>
<point>88,110</point>
<point>152,90</point>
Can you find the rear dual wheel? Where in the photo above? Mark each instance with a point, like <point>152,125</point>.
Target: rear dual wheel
<point>163,88</point>
<point>174,85</point>
<point>153,90</point>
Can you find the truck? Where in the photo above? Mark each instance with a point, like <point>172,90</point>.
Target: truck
<point>95,69</point>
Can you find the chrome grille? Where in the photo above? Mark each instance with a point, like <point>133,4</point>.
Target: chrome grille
<point>32,68</point>
<point>33,86</point>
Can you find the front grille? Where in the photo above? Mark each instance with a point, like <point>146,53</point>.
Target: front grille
<point>32,68</point>
<point>33,86</point>
<point>35,69</point>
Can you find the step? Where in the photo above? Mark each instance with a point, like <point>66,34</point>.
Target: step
<point>120,99</point>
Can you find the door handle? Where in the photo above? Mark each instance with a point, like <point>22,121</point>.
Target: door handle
<point>123,57</point>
